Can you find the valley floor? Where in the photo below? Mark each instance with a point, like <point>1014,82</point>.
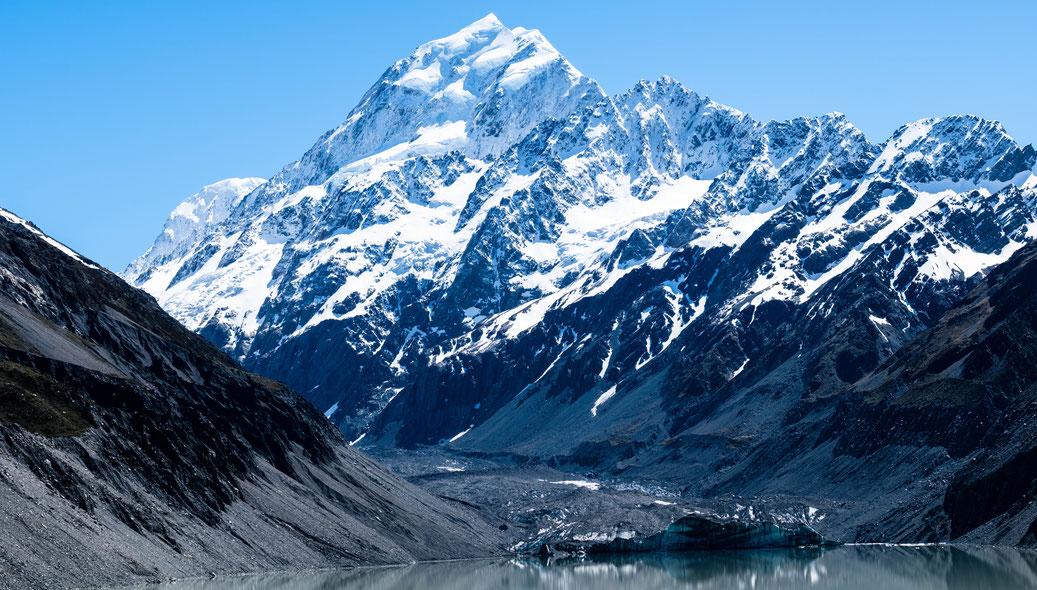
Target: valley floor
<point>536,504</point>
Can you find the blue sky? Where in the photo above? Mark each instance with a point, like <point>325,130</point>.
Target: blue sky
<point>111,113</point>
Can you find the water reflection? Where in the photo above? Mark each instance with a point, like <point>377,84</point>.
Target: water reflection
<point>849,568</point>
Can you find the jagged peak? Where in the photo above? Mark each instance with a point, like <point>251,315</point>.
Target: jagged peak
<point>835,118</point>
<point>933,126</point>
<point>827,118</point>
<point>660,83</point>
<point>961,146</point>
<point>833,121</point>
<point>652,90</point>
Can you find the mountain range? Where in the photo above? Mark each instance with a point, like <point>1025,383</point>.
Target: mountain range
<point>493,256</point>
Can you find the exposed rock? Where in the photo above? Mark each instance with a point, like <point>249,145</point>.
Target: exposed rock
<point>131,449</point>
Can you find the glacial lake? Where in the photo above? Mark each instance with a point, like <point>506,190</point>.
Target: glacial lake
<point>849,567</point>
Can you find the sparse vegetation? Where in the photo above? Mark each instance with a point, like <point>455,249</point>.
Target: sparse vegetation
<point>38,403</point>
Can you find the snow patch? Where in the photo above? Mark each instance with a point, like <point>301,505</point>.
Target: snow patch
<point>604,397</point>
<point>331,411</point>
<point>579,483</point>
<point>460,434</point>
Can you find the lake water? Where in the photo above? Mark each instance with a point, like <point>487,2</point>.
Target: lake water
<point>850,567</point>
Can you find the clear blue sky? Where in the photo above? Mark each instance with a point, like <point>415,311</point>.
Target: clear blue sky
<point>112,112</point>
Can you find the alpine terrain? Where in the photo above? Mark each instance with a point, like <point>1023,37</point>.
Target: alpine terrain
<point>493,258</point>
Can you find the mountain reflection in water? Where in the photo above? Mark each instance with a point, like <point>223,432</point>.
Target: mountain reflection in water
<point>850,567</point>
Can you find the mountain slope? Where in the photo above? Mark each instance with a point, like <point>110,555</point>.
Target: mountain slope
<point>966,385</point>
<point>132,449</point>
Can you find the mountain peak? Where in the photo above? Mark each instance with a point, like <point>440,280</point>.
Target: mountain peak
<point>186,224</point>
<point>486,23</point>
<point>470,91</point>
<point>466,41</point>
<point>457,67</point>
<point>955,148</point>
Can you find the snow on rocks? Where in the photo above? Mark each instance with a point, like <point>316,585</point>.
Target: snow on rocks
<point>485,191</point>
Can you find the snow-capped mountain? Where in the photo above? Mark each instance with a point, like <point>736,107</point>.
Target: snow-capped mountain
<point>491,252</point>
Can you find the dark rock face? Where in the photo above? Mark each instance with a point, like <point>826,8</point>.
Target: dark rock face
<point>132,449</point>
<point>967,386</point>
